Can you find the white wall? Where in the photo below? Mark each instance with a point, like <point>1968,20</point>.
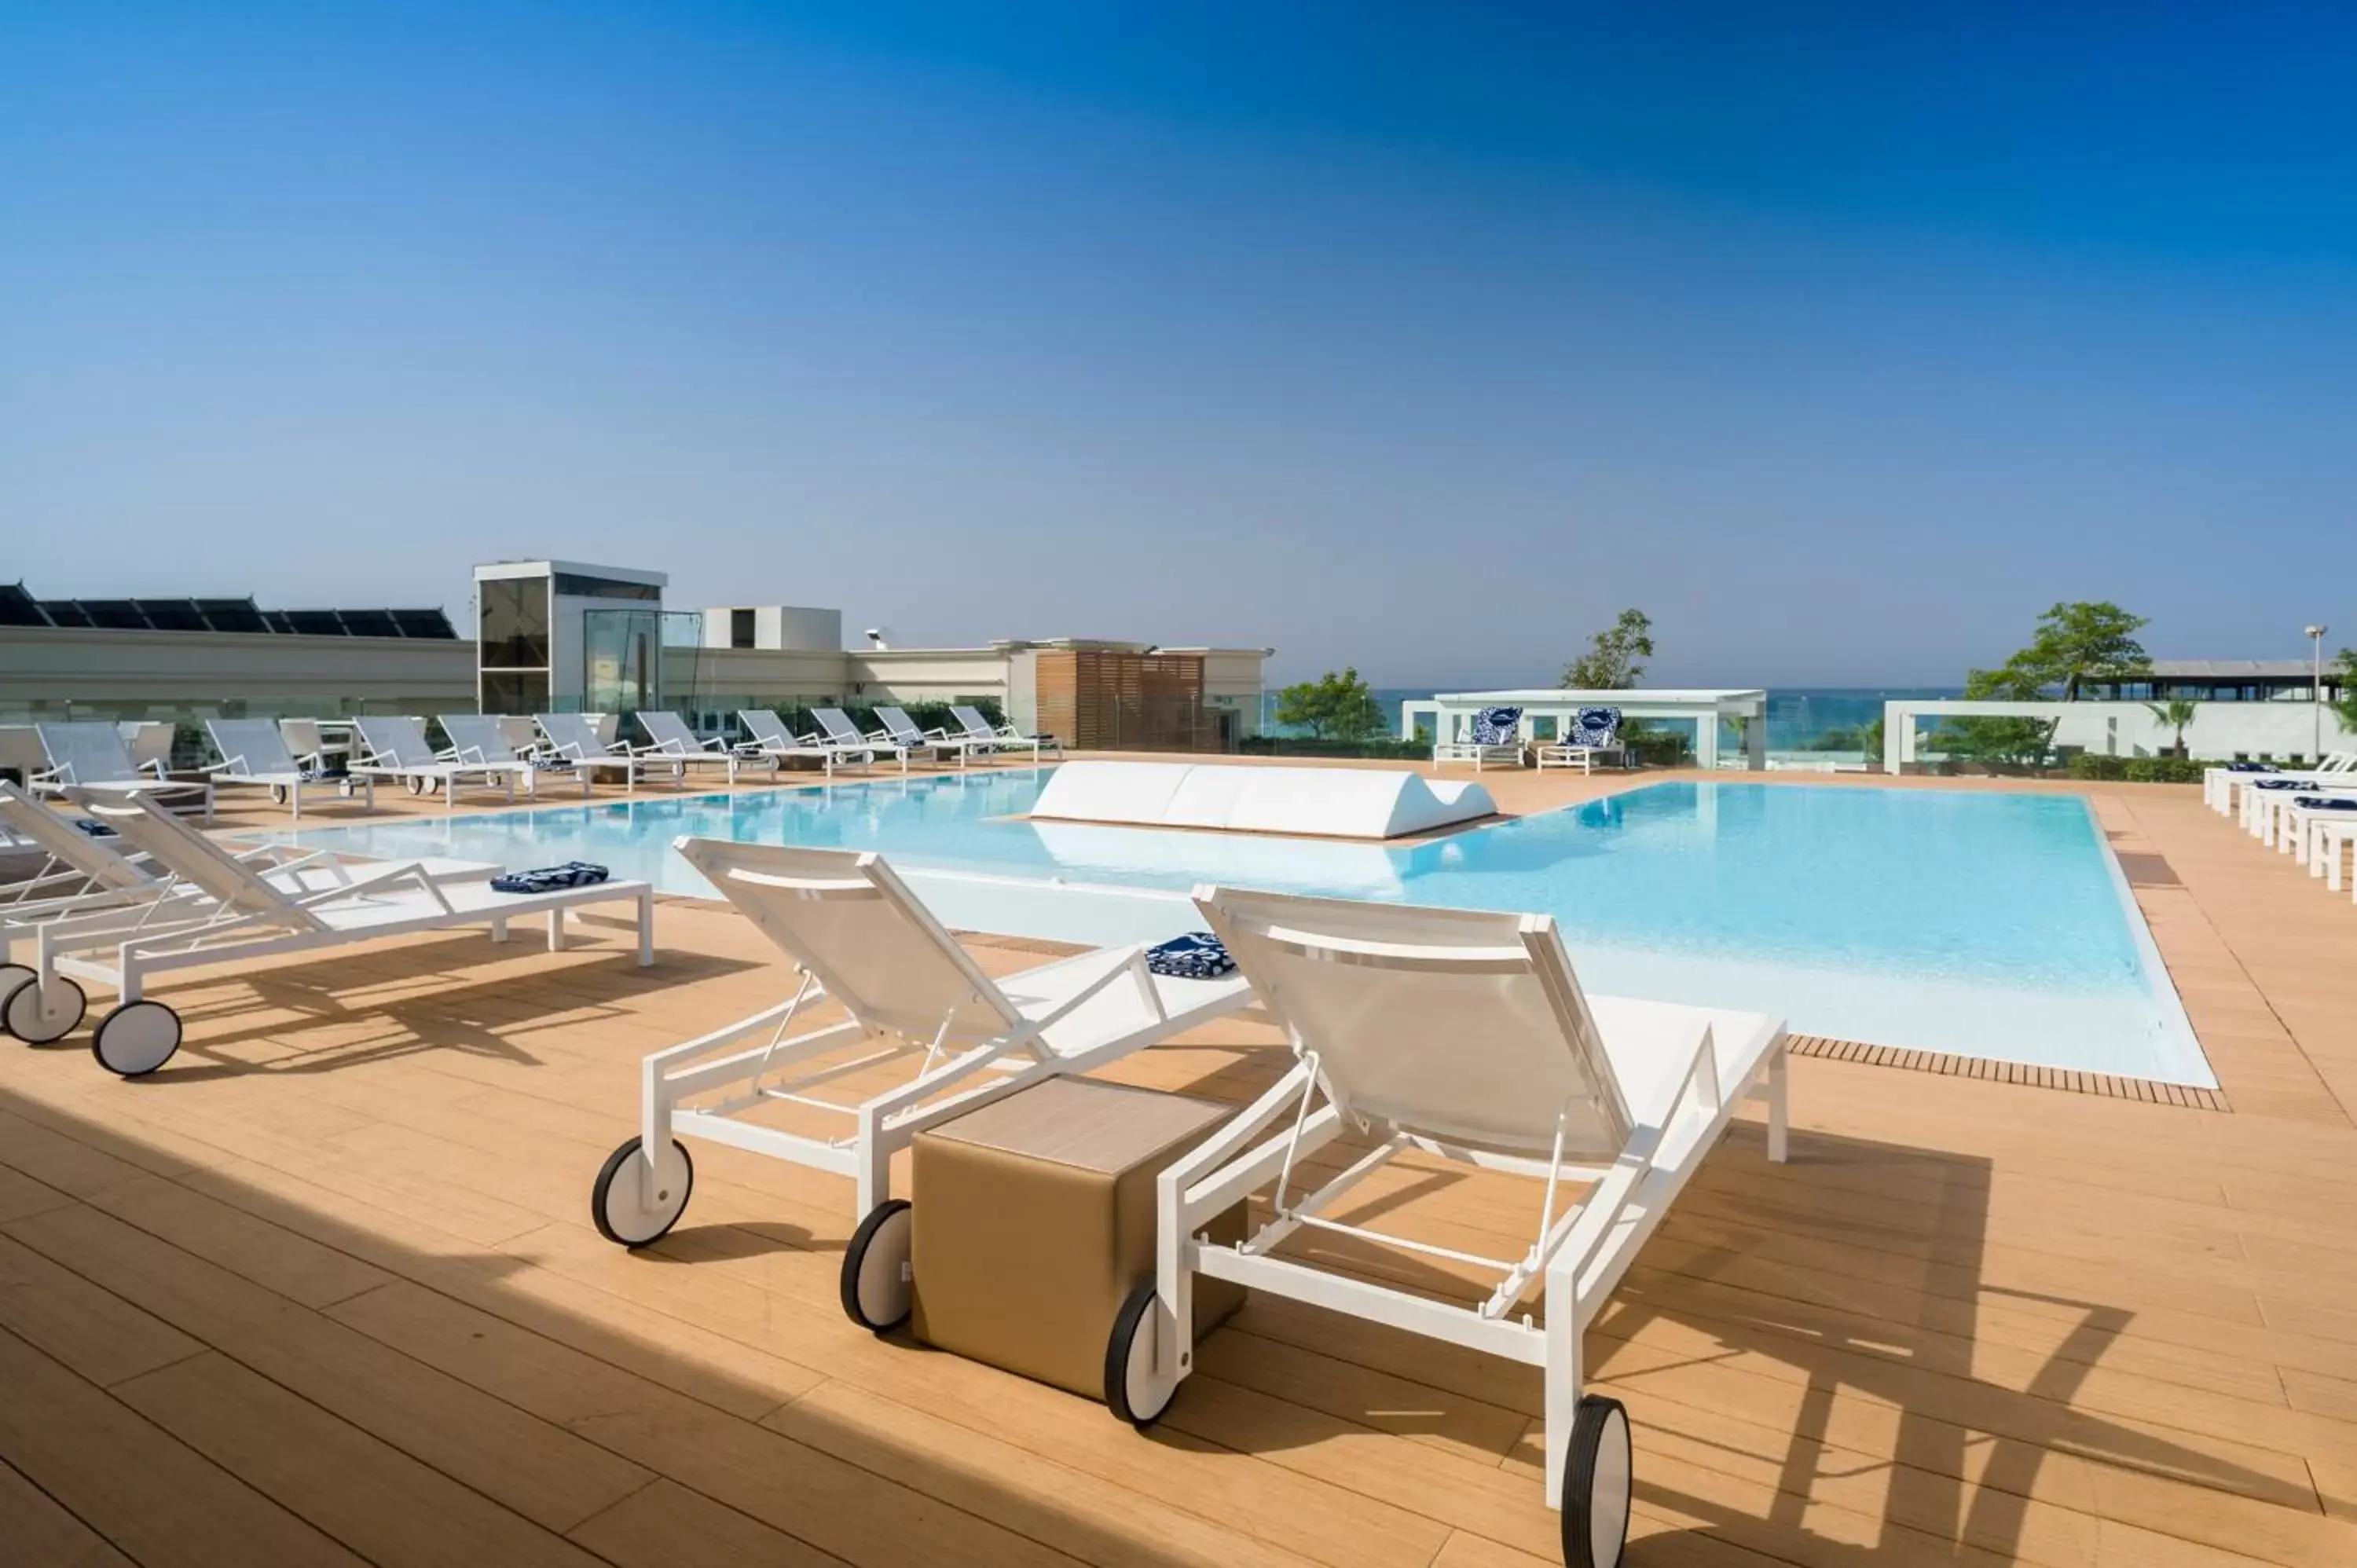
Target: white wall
<point>2219,731</point>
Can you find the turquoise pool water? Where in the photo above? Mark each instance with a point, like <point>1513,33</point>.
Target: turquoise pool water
<point>1987,924</point>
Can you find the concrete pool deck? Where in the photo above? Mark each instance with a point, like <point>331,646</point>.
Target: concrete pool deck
<point>326,1290</point>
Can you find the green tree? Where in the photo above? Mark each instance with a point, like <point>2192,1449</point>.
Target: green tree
<point>1614,656</point>
<point>2075,644</point>
<point>2346,706</point>
<point>2177,712</point>
<point>1332,707</point>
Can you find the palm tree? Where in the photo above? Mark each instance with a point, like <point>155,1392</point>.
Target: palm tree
<point>2175,714</point>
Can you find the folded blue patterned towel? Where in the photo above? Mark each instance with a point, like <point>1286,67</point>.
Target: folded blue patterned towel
<point>1497,727</point>
<point>2287,784</point>
<point>552,878</point>
<point>2252,768</point>
<point>96,829</point>
<point>2330,803</point>
<point>1198,955</point>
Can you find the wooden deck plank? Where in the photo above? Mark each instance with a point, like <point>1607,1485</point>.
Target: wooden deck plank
<point>39,1531</point>
<point>165,1504</point>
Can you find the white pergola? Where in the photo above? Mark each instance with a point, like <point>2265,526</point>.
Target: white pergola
<point>1451,714</point>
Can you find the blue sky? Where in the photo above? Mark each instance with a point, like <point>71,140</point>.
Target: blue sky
<point>1842,338</point>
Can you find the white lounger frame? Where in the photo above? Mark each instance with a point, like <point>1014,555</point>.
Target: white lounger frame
<point>846,736</point>
<point>1581,1252</point>
<point>943,1085</point>
<point>254,751</point>
<point>407,756</point>
<point>772,740</point>
<point>90,755</point>
<point>147,942</point>
<point>2224,788</point>
<point>1001,737</point>
<point>680,742</point>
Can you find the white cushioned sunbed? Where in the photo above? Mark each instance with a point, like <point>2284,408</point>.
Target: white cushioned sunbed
<point>1333,803</point>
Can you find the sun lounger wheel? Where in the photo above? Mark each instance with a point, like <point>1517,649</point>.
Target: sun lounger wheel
<point>1596,1485</point>
<point>278,794</point>
<point>1132,1390</point>
<point>877,1277</point>
<point>415,784</point>
<point>12,975</point>
<point>136,1039</point>
<point>35,1025</point>
<point>632,1211</point>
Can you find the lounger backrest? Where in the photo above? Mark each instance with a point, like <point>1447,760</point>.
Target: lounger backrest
<point>1461,1025</point>
<point>302,737</point>
<point>477,738</point>
<point>975,725</point>
<point>192,857</point>
<point>899,725</point>
<point>573,733</point>
<point>2337,762</point>
<point>396,742</point>
<point>62,841</point>
<point>146,741</point>
<point>765,726</point>
<point>88,752</point>
<point>252,748</point>
<point>845,918</point>
<point>669,732</point>
<point>837,724</point>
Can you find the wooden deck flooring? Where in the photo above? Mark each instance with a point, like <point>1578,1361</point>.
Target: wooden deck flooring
<point>326,1291</point>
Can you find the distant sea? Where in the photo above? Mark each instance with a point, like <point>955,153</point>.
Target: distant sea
<point>1800,718</point>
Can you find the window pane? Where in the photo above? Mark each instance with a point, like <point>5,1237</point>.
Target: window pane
<point>740,628</point>
<point>515,692</point>
<point>514,630</point>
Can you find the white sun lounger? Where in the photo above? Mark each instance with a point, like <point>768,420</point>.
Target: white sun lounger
<point>90,755</point>
<point>2224,788</point>
<point>903,731</point>
<point>254,751</point>
<point>481,738</point>
<point>836,728</point>
<point>916,1002</point>
<point>774,743</point>
<point>670,736</point>
<point>1002,737</point>
<point>397,748</point>
<point>246,916</point>
<point>1494,739</point>
<point>1462,1035</point>
<point>575,737</point>
<point>80,873</point>
<point>2267,812</point>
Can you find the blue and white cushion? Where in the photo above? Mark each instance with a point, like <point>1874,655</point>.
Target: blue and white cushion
<point>2252,768</point>
<point>1198,955</point>
<point>2330,803</point>
<point>1497,727</point>
<point>552,878</point>
<point>2301,785</point>
<point>1596,729</point>
<point>96,829</point>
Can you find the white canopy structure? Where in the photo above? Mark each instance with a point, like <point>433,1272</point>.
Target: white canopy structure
<point>1451,714</point>
<point>1331,803</point>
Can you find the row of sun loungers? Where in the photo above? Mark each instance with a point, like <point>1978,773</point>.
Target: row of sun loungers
<point>290,760</point>
<point>2309,813</point>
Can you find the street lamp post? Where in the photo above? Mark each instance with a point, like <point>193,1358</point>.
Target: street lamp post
<point>2316,689</point>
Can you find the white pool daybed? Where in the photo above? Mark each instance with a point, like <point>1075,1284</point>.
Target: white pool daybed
<point>1331,802</point>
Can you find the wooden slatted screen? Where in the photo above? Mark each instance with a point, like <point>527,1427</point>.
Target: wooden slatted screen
<point>1104,700</point>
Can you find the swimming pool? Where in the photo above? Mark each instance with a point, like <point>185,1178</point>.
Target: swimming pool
<point>1984,923</point>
